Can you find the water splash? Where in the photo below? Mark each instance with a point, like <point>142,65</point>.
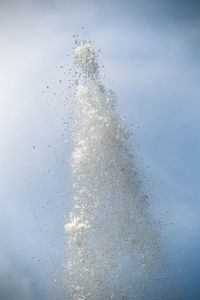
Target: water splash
<point>112,244</point>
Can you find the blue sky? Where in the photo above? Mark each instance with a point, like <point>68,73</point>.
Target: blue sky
<point>150,52</point>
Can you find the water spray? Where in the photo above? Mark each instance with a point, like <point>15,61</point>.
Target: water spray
<point>113,247</point>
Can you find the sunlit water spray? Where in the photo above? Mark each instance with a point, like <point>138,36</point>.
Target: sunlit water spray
<point>112,244</point>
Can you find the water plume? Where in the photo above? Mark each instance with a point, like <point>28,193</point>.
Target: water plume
<point>113,246</point>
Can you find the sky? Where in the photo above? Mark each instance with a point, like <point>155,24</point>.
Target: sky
<point>151,56</point>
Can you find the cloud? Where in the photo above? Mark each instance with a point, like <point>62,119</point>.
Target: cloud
<point>13,286</point>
